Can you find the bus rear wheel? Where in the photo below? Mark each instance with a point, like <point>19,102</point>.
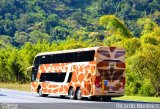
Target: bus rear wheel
<point>41,94</point>
<point>71,93</point>
<point>78,94</point>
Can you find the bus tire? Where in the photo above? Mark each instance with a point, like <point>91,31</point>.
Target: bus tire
<point>78,94</point>
<point>41,94</point>
<point>71,93</point>
<point>106,98</point>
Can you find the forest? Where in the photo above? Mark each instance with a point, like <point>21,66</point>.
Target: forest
<point>28,27</point>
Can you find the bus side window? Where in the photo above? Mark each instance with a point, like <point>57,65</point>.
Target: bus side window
<point>78,57</point>
<point>33,77</point>
<point>51,59</point>
<point>84,56</point>
<point>89,55</point>
<point>34,73</point>
<point>68,57</point>
<point>44,59</point>
<point>54,77</point>
<point>69,77</point>
<point>59,58</point>
<point>42,77</point>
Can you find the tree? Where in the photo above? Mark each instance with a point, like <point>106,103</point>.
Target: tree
<point>21,37</point>
<point>38,35</point>
<point>114,26</point>
<point>151,31</point>
<point>147,24</point>
<point>146,63</point>
<point>22,23</point>
<point>5,39</point>
<point>50,22</point>
<point>59,33</point>
<point>131,45</point>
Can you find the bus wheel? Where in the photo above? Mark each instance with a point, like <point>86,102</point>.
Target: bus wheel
<point>41,94</point>
<point>106,98</point>
<point>71,93</point>
<point>78,94</point>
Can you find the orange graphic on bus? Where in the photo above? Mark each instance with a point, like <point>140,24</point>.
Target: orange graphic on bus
<point>89,72</point>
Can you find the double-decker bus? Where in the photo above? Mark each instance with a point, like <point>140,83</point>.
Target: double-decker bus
<point>97,72</point>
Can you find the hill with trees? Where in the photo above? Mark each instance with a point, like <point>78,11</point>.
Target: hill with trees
<point>28,27</point>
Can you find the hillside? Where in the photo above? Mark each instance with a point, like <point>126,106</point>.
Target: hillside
<point>57,19</point>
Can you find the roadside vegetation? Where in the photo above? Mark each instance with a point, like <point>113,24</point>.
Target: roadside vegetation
<point>16,86</point>
<point>138,98</point>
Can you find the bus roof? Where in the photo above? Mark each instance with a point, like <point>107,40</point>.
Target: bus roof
<point>69,51</point>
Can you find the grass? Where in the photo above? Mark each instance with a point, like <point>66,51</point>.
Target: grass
<point>26,87</point>
<point>16,86</point>
<point>139,98</point>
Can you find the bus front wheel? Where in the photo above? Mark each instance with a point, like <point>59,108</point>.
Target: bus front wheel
<point>41,94</point>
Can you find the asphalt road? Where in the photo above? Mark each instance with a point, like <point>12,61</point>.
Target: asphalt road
<point>12,99</point>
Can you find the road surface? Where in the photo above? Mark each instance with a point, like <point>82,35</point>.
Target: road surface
<point>12,99</point>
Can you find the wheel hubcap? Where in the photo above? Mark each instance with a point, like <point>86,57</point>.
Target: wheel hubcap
<point>71,93</point>
<point>79,94</point>
<point>40,92</point>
